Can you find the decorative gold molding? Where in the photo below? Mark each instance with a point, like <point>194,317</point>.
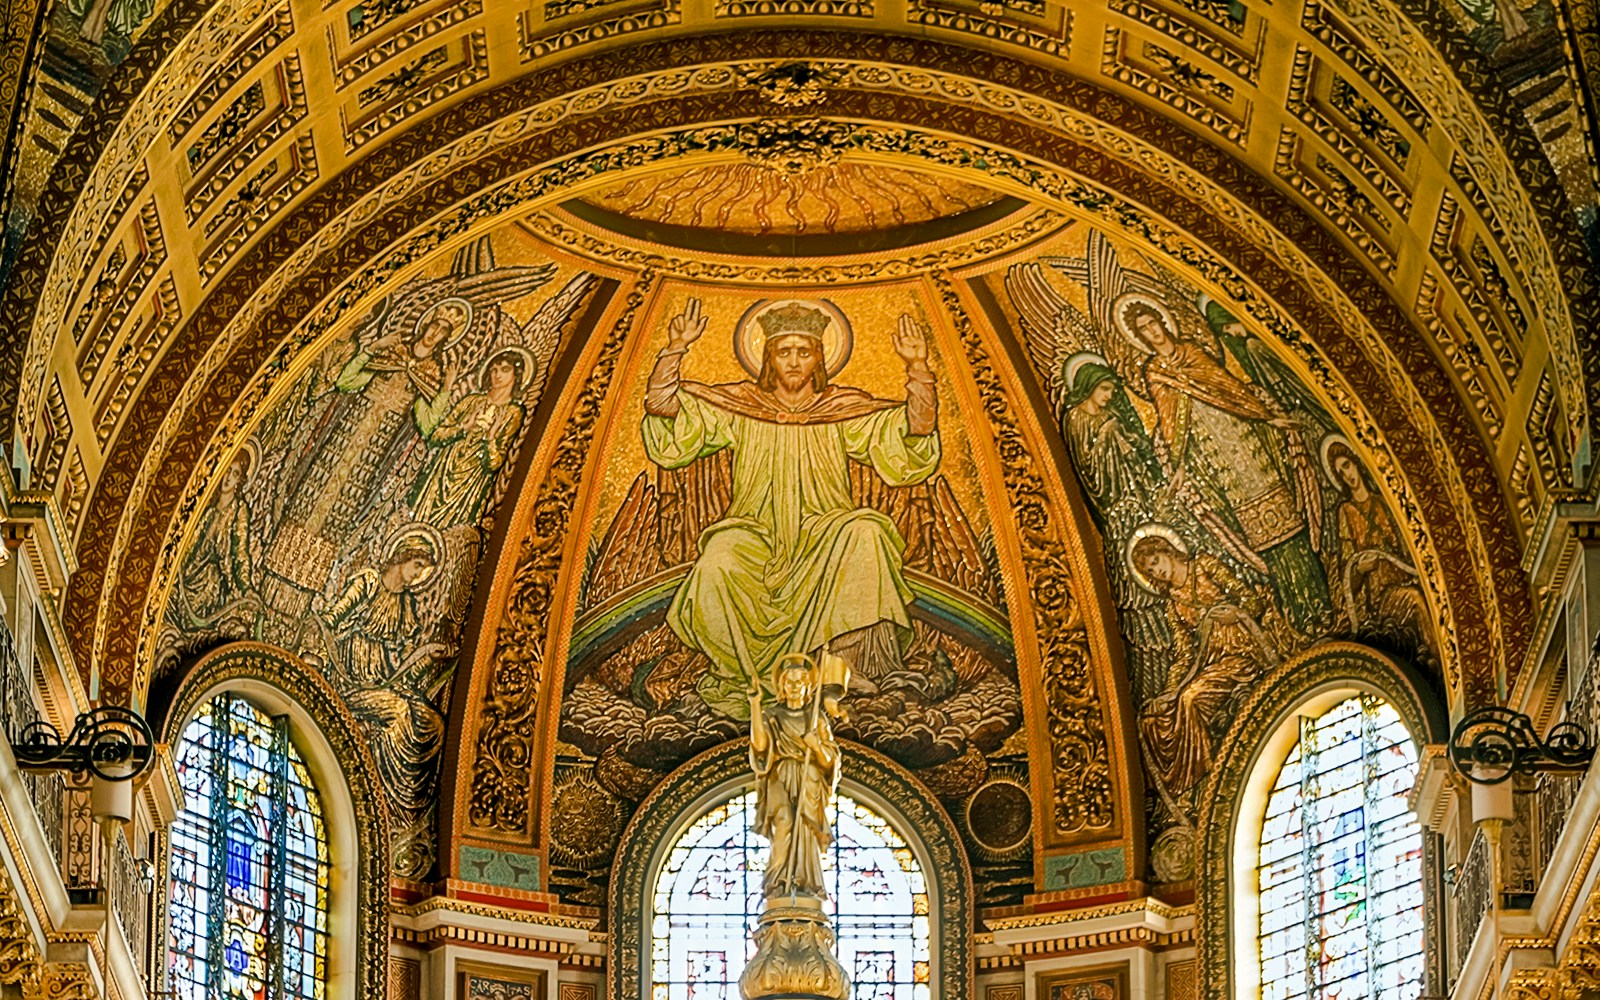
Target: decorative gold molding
<point>1061,188</point>
<point>1151,905</point>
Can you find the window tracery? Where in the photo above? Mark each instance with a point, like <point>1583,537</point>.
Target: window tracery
<point>1339,868</point>
<point>708,895</point>
<point>250,867</point>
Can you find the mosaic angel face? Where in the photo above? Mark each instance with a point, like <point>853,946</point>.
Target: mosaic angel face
<point>442,324</point>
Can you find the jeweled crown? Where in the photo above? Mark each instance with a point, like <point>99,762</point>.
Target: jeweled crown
<point>794,318</point>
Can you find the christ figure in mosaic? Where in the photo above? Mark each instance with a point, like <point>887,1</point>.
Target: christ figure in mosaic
<point>794,564</point>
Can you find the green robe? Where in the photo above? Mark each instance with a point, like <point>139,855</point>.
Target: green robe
<point>794,562</point>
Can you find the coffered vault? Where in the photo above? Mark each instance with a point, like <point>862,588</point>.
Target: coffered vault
<point>1329,202</point>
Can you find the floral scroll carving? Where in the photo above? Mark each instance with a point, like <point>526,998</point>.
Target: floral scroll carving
<point>1083,797</point>
<point>502,772</point>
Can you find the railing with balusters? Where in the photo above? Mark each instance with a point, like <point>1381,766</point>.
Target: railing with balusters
<point>1530,843</point>
<point>130,899</point>
<point>1470,898</point>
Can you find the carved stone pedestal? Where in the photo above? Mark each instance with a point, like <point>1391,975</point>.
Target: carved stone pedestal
<point>794,955</point>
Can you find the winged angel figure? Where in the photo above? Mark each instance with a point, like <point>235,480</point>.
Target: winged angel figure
<point>353,522</point>
<point>1199,475</point>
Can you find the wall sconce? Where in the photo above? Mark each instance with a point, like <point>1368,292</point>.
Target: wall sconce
<point>108,747</point>
<point>1493,744</point>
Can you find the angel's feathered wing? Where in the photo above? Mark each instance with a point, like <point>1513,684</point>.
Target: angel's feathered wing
<point>1053,328</point>
<point>1105,280</point>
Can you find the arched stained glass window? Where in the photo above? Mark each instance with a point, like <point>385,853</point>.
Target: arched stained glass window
<point>249,878</point>
<point>1340,868</point>
<point>708,896</point>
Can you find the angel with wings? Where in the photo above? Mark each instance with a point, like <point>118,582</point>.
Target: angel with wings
<point>361,422</point>
<point>795,563</point>
<point>469,444</point>
<point>1232,457</point>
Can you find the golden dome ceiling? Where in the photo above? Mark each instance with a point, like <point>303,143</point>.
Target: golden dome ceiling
<point>1353,253</point>
<point>754,199</point>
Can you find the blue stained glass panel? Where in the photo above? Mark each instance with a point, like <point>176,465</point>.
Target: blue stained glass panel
<point>1340,864</point>
<point>249,869</point>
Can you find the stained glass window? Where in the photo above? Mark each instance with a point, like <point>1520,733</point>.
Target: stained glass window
<point>1340,870</point>
<point>249,877</point>
<point>708,896</point>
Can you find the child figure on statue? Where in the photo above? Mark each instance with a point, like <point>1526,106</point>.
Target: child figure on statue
<point>796,761</point>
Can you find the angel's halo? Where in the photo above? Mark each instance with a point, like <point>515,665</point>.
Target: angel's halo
<point>1119,311</point>
<point>460,331</point>
<point>418,531</point>
<point>1143,531</point>
<point>1329,443</point>
<point>530,367</point>
<point>1077,361</point>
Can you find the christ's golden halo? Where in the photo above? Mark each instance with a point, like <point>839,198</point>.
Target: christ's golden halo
<point>750,336</point>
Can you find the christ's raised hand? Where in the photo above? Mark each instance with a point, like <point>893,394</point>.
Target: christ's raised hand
<point>911,343</point>
<point>686,327</point>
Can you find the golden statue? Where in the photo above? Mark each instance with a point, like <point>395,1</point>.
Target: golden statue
<point>796,762</point>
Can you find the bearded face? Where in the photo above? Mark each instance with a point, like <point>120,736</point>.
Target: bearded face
<point>793,362</point>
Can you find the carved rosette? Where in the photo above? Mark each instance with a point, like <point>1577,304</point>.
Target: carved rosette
<point>794,956</point>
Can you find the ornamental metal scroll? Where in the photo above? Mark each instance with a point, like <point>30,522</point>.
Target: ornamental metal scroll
<point>110,742</point>
<point>1491,744</point>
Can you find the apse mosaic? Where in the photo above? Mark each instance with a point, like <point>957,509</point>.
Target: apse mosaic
<point>1239,525</point>
<point>349,526</point>
<point>785,473</point>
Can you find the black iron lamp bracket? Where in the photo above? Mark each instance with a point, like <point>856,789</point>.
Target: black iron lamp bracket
<point>111,742</point>
<point>1492,744</point>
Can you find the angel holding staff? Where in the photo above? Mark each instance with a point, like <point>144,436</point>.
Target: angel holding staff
<point>796,761</point>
